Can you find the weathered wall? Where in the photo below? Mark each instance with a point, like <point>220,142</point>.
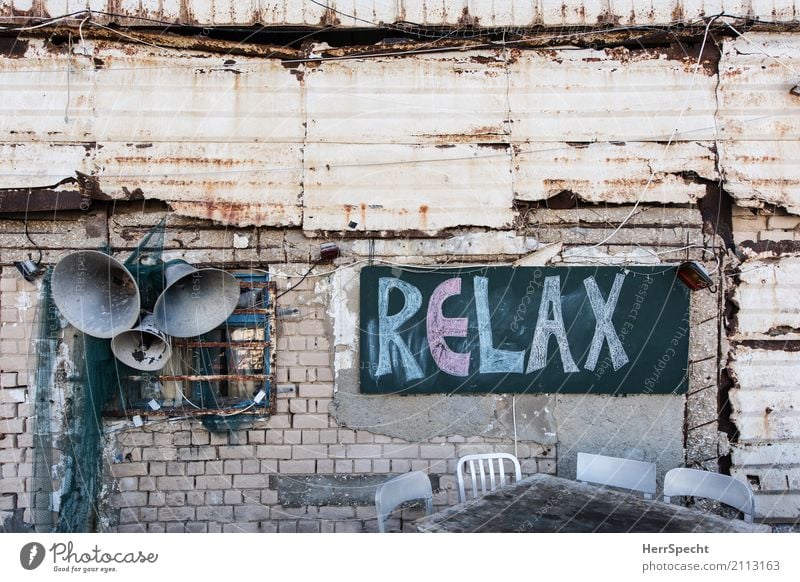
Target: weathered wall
<point>763,360</point>
<point>375,13</point>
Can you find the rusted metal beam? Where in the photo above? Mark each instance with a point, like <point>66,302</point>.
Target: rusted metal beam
<point>213,378</point>
<point>42,200</point>
<point>255,344</point>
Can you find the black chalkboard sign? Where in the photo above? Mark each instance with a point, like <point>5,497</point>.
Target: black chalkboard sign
<point>604,330</point>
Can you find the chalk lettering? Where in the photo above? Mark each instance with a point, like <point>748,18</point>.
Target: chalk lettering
<point>439,327</point>
<point>603,310</point>
<point>491,358</point>
<point>388,324</point>
<point>545,327</point>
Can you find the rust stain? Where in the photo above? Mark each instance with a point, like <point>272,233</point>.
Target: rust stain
<point>363,207</point>
<point>330,18</point>
<point>423,216</point>
<point>466,19</point>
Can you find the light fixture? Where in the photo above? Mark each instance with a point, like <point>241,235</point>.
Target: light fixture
<point>694,276</point>
<point>28,269</point>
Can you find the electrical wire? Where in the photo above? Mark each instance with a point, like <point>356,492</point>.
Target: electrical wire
<point>303,278</point>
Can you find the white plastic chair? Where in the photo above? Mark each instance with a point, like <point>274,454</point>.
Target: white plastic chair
<point>398,490</point>
<point>615,472</point>
<point>497,478</point>
<point>722,488</point>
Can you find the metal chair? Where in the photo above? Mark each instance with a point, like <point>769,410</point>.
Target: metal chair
<point>398,490</point>
<point>496,478</point>
<point>722,488</point>
<point>615,472</point>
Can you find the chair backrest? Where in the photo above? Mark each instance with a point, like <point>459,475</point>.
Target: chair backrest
<point>616,472</point>
<point>398,490</point>
<point>722,488</point>
<point>481,466</point>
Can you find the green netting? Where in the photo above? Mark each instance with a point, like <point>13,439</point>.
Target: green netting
<point>98,377</point>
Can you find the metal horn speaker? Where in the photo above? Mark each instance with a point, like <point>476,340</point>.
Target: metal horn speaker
<point>194,301</point>
<point>145,347</point>
<point>95,293</point>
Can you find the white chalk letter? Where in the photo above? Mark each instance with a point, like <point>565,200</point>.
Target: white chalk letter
<point>551,297</point>
<point>492,359</point>
<point>603,310</point>
<point>388,324</point>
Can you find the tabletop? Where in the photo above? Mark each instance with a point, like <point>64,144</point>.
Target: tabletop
<point>544,503</point>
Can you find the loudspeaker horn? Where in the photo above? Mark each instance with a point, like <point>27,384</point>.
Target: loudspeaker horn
<point>145,347</point>
<point>194,301</point>
<point>95,293</point>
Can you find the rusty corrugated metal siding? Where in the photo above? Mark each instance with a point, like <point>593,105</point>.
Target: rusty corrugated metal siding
<point>759,119</point>
<point>765,399</point>
<point>372,13</point>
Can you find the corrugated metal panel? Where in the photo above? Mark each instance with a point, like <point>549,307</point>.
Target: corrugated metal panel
<point>769,300</point>
<point>609,95</point>
<point>614,173</point>
<point>371,13</point>
<point>219,137</point>
<point>760,120</point>
<point>437,98</point>
<point>765,406</point>
<point>389,189</point>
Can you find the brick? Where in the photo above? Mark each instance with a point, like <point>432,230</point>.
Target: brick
<point>159,454</point>
<point>8,379</point>
<point>195,468</point>
<point>218,438</point>
<point>309,451</point>
<point>381,466</point>
<point>298,406</point>
<point>157,468</point>
<point>776,235</point>
<point>245,513</point>
<point>292,437</point>
<point>310,421</point>
<point>251,497</point>
<point>315,390</point>
<point>12,425</point>
<point>128,469</point>
<point>347,436</point>
<point>196,527</point>
<point>131,528</point>
<point>233,497</point>
<point>129,499</point>
<point>176,513</point>
<point>269,467</point>
<point>157,499</point>
<point>214,498</point>
<point>274,452</point>
<point>251,527</point>
<point>328,436</point>
<point>125,483</point>
<point>182,438</point>
<point>311,327</point>
<point>324,374</point>
<point>237,452</point>
<point>364,436</point>
<point>343,466</point>
<point>9,410</point>
<point>336,513</point>
<point>233,467</point>
<point>137,439</point>
<point>197,454</point>
<point>401,451</point>
<point>156,527</point>
<point>176,498</point>
<point>362,466</point>
<point>441,451</point>
<point>176,468</point>
<point>289,467</point>
<point>400,465</point>
<point>13,395</point>
<point>163,440</point>
<point>297,374</point>
<point>783,222</point>
<point>195,498</point>
<point>213,482</point>
<point>364,451</point>
<point>256,437</point>
<point>214,467</point>
<point>251,466</point>
<point>315,359</point>
<point>279,421</point>
<point>176,483</point>
<point>148,514</point>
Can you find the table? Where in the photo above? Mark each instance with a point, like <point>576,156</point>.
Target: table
<point>544,503</point>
